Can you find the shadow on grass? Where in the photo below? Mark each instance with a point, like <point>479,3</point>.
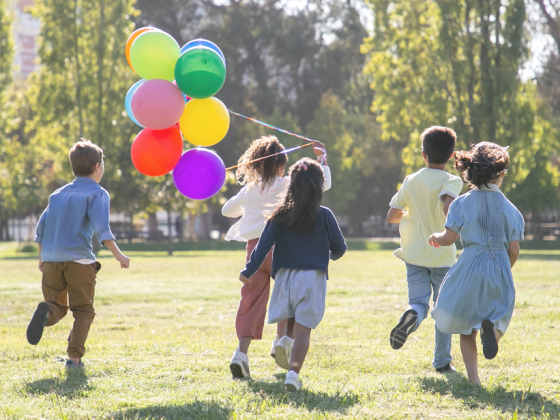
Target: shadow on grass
<point>74,385</point>
<point>319,401</point>
<point>496,397</point>
<point>196,410</point>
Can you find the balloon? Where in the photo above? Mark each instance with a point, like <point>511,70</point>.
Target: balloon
<point>153,55</point>
<point>200,72</point>
<point>199,174</point>
<point>156,152</point>
<point>127,100</point>
<point>203,43</point>
<point>157,104</point>
<point>204,122</point>
<point>131,39</point>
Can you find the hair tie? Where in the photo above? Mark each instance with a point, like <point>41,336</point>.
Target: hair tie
<point>303,165</point>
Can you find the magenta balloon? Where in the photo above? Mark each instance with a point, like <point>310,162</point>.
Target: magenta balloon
<point>157,104</point>
<point>199,174</point>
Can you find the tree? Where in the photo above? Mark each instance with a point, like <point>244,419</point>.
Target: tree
<point>456,63</point>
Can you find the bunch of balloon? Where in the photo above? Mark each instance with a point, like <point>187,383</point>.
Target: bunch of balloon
<point>174,97</point>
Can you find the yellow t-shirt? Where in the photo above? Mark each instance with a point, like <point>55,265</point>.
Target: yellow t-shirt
<point>420,196</point>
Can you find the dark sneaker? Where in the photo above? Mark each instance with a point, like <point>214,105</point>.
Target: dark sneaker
<point>399,334</point>
<point>488,338</point>
<point>73,365</point>
<point>38,323</point>
<point>446,369</point>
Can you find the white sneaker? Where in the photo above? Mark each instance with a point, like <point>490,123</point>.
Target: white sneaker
<point>239,365</point>
<point>292,382</point>
<point>273,349</point>
<point>284,352</point>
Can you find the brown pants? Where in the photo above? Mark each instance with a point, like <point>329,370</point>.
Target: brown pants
<point>254,297</point>
<point>70,281</point>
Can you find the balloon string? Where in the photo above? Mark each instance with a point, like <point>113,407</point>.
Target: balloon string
<point>272,127</point>
<point>266,157</point>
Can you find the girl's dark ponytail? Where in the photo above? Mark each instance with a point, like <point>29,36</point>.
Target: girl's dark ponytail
<point>482,163</point>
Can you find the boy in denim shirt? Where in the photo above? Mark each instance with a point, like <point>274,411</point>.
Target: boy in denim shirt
<point>66,259</point>
<point>420,206</point>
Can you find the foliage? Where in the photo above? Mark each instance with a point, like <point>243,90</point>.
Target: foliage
<point>456,63</point>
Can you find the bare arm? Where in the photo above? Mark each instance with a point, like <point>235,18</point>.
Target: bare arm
<point>513,252</point>
<point>446,238</point>
<point>40,261</point>
<point>447,200</point>
<point>395,215</point>
<point>123,259</point>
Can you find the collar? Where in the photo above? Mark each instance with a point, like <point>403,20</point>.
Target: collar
<point>85,179</point>
<point>491,187</point>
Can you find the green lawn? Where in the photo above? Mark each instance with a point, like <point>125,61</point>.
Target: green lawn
<point>164,334</point>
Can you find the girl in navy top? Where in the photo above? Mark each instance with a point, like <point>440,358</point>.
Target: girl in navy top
<point>304,235</point>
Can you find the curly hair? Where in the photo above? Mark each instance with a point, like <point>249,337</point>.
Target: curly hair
<point>482,163</point>
<point>300,204</point>
<point>265,170</point>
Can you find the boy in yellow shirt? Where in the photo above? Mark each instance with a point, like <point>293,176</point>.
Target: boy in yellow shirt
<point>420,206</point>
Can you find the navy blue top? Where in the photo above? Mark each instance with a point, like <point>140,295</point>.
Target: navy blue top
<point>298,250</point>
<point>66,227</point>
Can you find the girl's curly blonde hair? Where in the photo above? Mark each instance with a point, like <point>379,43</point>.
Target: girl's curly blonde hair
<point>265,170</point>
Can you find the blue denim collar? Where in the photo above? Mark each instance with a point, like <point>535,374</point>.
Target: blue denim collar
<point>85,179</point>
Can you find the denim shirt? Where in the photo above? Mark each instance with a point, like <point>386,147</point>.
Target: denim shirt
<point>75,211</point>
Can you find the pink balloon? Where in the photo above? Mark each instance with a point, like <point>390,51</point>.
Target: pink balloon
<point>157,104</point>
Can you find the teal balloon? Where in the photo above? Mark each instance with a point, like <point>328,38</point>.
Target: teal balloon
<point>200,72</point>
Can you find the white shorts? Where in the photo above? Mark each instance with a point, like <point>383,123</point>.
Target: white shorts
<point>298,294</point>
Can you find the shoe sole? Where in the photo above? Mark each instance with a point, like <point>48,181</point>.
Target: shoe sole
<point>282,358</point>
<point>290,388</point>
<point>37,324</point>
<point>399,334</point>
<point>237,371</point>
<point>489,342</point>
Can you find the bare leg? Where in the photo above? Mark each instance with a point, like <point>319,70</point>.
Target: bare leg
<point>497,334</point>
<point>281,328</point>
<point>469,352</point>
<point>300,348</point>
<point>244,343</point>
<point>289,327</point>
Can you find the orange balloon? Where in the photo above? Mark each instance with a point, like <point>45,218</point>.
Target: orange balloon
<point>131,39</point>
<point>156,152</point>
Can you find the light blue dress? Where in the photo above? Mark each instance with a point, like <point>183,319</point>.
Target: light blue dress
<point>480,285</point>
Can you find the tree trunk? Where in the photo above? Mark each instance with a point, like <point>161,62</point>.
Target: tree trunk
<point>169,233</point>
<point>153,231</point>
<point>100,55</point>
<point>77,52</point>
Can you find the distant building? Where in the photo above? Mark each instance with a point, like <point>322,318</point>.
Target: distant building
<point>26,31</point>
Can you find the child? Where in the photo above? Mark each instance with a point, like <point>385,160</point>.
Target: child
<point>303,234</point>
<point>479,288</point>
<point>264,182</point>
<point>66,259</point>
<point>420,206</point>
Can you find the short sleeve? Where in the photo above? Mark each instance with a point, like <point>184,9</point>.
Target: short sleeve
<point>455,219</point>
<point>518,228</point>
<point>452,188</point>
<point>398,201</point>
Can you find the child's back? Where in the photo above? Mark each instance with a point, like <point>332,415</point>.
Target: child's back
<point>420,196</point>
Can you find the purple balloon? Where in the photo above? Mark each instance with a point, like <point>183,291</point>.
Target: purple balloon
<point>200,174</point>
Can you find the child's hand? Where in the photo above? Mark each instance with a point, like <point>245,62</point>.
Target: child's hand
<point>317,146</point>
<point>124,260</point>
<point>243,279</point>
<point>40,266</point>
<point>432,241</point>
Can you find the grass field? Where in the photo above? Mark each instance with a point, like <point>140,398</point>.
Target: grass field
<point>164,334</point>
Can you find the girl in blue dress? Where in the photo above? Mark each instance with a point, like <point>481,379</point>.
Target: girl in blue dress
<point>478,292</point>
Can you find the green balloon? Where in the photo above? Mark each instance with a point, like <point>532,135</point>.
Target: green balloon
<point>200,72</point>
<point>154,54</point>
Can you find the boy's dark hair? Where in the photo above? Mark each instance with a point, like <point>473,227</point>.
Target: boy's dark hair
<point>438,143</point>
<point>83,157</point>
<point>482,163</point>
<point>264,170</point>
<point>300,205</point>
